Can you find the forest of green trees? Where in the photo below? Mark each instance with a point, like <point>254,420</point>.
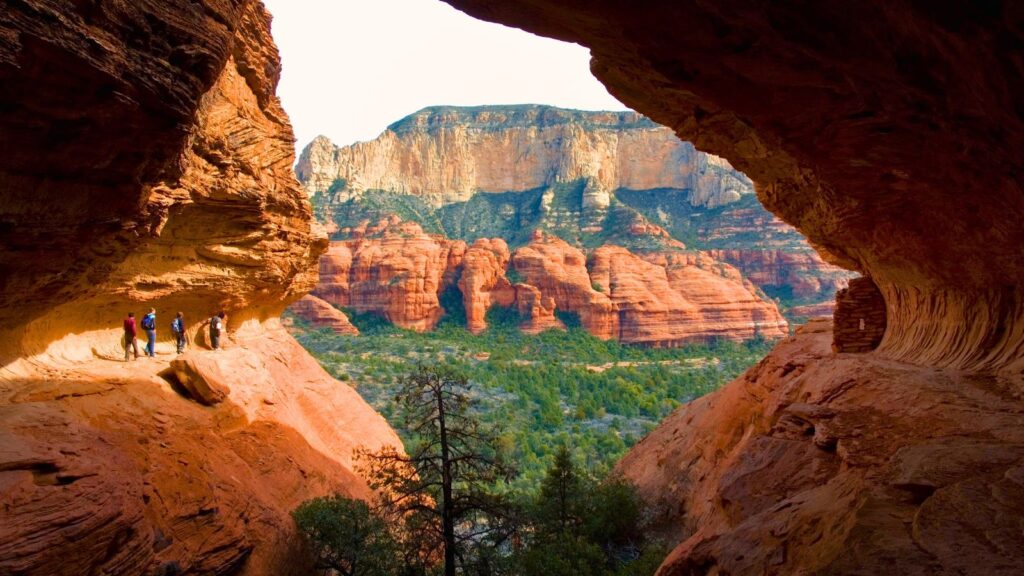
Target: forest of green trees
<point>555,388</point>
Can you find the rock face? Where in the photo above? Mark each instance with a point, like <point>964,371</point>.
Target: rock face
<point>152,167</point>
<point>892,147</point>
<point>191,202</point>
<point>817,463</point>
<point>591,178</point>
<point>536,309</point>
<point>483,283</point>
<point>669,299</point>
<point>398,274</point>
<point>447,154</point>
<point>105,468</point>
<point>804,275</point>
<point>321,314</point>
<point>559,271</point>
<point>663,299</point>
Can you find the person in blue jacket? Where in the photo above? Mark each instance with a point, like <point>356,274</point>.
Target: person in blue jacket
<point>149,325</point>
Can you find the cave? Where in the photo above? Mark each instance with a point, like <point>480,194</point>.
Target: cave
<point>888,133</point>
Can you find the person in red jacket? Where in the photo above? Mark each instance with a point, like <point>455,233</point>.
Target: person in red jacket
<point>130,337</point>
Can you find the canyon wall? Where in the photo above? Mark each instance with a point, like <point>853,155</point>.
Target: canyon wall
<point>397,271</point>
<point>887,133</point>
<point>448,154</point>
<point>591,178</point>
<point>147,162</point>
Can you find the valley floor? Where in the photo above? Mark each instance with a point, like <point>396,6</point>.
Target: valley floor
<point>558,387</point>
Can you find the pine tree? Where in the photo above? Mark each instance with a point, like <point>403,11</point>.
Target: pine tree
<point>445,482</point>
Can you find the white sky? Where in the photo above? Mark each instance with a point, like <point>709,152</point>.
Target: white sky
<point>351,67</point>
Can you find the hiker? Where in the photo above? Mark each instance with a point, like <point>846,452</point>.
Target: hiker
<point>149,325</point>
<point>216,329</point>
<point>130,341</point>
<point>178,329</point>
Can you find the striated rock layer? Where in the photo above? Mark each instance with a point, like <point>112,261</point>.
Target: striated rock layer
<point>147,162</point>
<point>397,271</point>
<point>448,154</point>
<point>802,275</point>
<point>106,468</point>
<point>193,206</point>
<point>483,283</point>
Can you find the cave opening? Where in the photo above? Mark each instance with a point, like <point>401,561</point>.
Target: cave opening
<point>884,131</point>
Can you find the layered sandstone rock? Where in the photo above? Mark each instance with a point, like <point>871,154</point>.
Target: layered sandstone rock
<point>153,168</point>
<point>670,299</point>
<point>192,206</point>
<point>105,468</point>
<point>662,299</point>
<point>321,314</point>
<point>447,154</point>
<point>398,272</point>
<point>536,310</point>
<point>559,271</point>
<point>483,283</point>
<point>803,274</point>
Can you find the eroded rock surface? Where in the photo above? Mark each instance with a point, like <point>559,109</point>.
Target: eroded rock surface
<point>397,271</point>
<point>820,463</point>
<point>483,283</point>
<point>147,162</point>
<point>448,154</point>
<point>172,186</point>
<point>105,468</point>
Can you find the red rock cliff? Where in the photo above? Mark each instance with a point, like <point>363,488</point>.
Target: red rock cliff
<point>397,272</point>
<point>147,162</point>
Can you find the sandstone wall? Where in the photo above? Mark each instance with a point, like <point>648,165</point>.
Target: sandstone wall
<point>210,216</point>
<point>147,162</point>
<point>395,270</point>
<point>859,318</point>
<point>447,155</point>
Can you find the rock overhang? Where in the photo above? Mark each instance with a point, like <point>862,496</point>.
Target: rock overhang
<point>892,146</point>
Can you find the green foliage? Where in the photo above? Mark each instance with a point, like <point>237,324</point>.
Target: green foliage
<point>578,525</point>
<point>546,390</point>
<point>346,536</point>
<point>445,481</point>
<point>566,555</point>
<point>514,277</point>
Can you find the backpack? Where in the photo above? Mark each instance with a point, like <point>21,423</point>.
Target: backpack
<point>176,326</point>
<point>215,325</point>
<point>149,322</point>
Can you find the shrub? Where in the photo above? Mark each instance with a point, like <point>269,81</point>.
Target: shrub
<point>346,536</point>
